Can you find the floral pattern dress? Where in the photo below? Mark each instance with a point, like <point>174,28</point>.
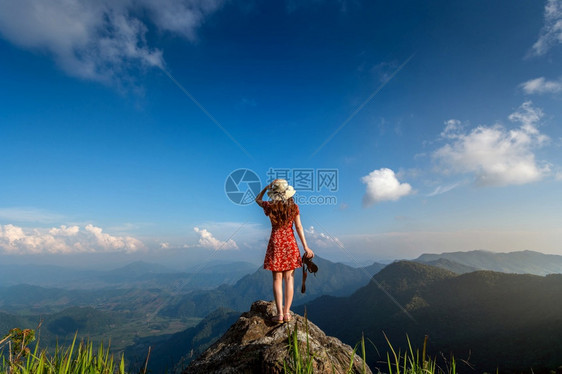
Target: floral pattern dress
<point>282,250</point>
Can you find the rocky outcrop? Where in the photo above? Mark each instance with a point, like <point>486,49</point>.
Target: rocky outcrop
<point>254,344</point>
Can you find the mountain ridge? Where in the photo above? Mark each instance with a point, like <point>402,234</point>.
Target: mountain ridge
<point>487,314</point>
<point>519,262</point>
<point>332,278</point>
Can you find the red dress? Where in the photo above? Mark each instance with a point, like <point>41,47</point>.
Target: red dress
<point>282,250</point>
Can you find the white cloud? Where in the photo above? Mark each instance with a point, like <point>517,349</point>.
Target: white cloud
<point>551,33</point>
<point>63,240</point>
<point>443,189</point>
<point>64,231</point>
<point>317,239</point>
<point>109,242</point>
<point>207,240</point>
<point>99,40</point>
<point>453,128</point>
<point>498,156</point>
<point>541,86</point>
<point>382,185</point>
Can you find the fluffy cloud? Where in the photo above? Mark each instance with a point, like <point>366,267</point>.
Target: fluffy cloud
<point>63,240</point>
<point>317,239</point>
<point>99,40</point>
<point>551,33</point>
<point>207,240</point>
<point>541,86</point>
<point>497,156</point>
<point>382,185</point>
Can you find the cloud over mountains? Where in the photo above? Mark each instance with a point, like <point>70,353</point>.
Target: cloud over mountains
<point>16,240</point>
<point>207,240</point>
<point>495,155</point>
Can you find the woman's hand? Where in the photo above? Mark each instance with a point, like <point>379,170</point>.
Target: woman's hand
<point>308,252</point>
<point>260,195</point>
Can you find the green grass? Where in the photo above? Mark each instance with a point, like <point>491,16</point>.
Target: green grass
<point>81,358</point>
<point>411,361</point>
<point>78,358</point>
<point>300,361</point>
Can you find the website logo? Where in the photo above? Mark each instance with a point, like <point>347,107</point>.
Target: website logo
<point>242,186</point>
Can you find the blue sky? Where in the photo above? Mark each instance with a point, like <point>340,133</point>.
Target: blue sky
<point>120,122</point>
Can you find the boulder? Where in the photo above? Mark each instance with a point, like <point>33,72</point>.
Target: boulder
<point>255,344</point>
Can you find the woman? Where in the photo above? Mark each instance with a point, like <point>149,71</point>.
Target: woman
<point>282,256</point>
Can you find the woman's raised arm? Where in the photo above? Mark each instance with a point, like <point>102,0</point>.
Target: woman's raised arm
<point>259,198</point>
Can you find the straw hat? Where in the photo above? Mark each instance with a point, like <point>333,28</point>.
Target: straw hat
<point>280,190</point>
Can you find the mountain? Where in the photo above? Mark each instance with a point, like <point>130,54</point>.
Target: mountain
<point>10,321</point>
<point>332,279</point>
<point>453,266</point>
<point>218,266</point>
<point>523,262</point>
<point>509,322</point>
<point>254,344</point>
<point>135,275</point>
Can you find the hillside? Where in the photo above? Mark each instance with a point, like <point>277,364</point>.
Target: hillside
<point>332,279</point>
<point>174,352</point>
<point>453,266</point>
<point>138,317</point>
<point>523,262</point>
<point>506,321</point>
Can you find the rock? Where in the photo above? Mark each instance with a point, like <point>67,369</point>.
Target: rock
<point>255,344</point>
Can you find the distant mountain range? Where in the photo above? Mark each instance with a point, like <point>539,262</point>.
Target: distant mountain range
<point>332,279</point>
<point>135,275</point>
<point>142,317</point>
<point>498,321</point>
<point>213,274</point>
<point>523,262</point>
<point>506,321</point>
<point>174,352</point>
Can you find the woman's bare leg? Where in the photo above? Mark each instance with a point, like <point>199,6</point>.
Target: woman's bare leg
<point>278,290</point>
<point>289,277</point>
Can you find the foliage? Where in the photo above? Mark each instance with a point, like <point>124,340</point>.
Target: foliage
<point>410,362</point>
<point>299,362</point>
<point>18,341</point>
<point>414,363</point>
<point>81,358</point>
